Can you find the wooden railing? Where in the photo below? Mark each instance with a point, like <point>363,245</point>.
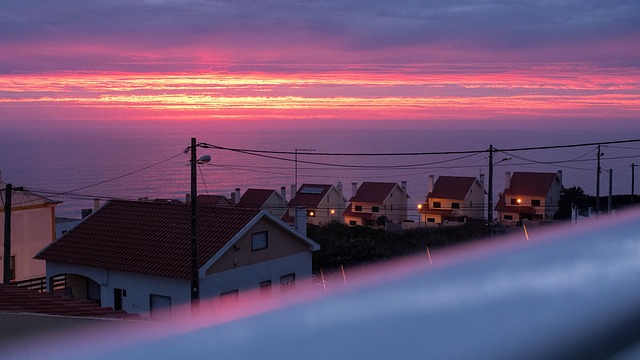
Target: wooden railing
<point>59,282</point>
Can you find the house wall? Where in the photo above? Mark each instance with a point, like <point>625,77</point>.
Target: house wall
<point>32,229</point>
<point>250,277</point>
<point>551,200</point>
<point>275,205</point>
<point>280,243</point>
<point>332,200</point>
<point>474,202</point>
<point>395,206</point>
<point>138,286</point>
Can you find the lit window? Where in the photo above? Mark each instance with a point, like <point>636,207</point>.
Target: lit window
<point>259,240</point>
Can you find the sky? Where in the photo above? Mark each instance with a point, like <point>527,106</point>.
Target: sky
<point>348,59</point>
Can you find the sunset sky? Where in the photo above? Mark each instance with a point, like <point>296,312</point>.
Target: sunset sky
<point>413,60</point>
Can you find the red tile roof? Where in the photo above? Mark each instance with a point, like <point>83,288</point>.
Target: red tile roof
<point>213,200</point>
<point>20,300</point>
<point>309,200</point>
<point>147,237</point>
<point>530,183</point>
<point>451,187</point>
<point>373,192</point>
<point>255,198</point>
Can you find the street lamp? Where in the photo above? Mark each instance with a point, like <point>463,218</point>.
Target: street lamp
<point>195,276</point>
<point>419,215</point>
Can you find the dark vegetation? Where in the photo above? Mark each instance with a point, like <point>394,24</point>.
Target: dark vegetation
<point>576,197</point>
<point>349,246</point>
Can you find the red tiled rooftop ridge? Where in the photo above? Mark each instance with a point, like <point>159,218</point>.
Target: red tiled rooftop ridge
<point>309,200</point>
<point>254,198</point>
<point>530,183</point>
<point>147,237</point>
<point>373,192</point>
<point>451,187</point>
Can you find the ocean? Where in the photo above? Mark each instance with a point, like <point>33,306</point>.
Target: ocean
<point>76,162</point>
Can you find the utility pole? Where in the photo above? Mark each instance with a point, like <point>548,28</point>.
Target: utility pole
<point>490,193</point>
<point>633,181</point>
<point>610,201</point>
<point>195,277</point>
<point>598,184</point>
<point>6,275</point>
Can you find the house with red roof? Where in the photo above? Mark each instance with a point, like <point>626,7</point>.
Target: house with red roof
<point>451,200</point>
<point>529,196</point>
<point>136,255</point>
<point>323,203</point>
<point>375,199</point>
<point>214,200</point>
<point>263,199</point>
<point>32,228</point>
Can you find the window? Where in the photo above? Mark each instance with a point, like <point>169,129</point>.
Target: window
<point>265,288</point>
<point>508,217</point>
<point>259,240</point>
<point>358,207</point>
<point>535,202</point>
<point>353,222</point>
<point>437,205</point>
<point>455,205</point>
<point>287,282</point>
<point>375,209</point>
<point>160,307</point>
<point>431,220</point>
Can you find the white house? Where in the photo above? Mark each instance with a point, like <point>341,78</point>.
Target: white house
<point>375,199</point>
<point>263,199</point>
<point>452,200</point>
<point>136,256</point>
<point>529,196</point>
<point>323,203</point>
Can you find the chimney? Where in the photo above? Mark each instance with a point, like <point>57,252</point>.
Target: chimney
<point>283,193</point>
<point>403,185</point>
<point>560,176</point>
<point>430,184</point>
<point>354,189</point>
<point>237,196</point>
<point>482,180</point>
<point>294,191</point>
<point>232,198</point>
<point>339,187</point>
<point>187,199</point>
<point>301,220</point>
<point>507,180</point>
<point>96,204</point>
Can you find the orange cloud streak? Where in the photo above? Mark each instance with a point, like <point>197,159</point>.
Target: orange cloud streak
<point>409,93</point>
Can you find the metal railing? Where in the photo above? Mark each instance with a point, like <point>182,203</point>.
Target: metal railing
<point>58,282</point>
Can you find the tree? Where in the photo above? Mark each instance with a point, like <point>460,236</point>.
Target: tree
<point>569,197</point>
